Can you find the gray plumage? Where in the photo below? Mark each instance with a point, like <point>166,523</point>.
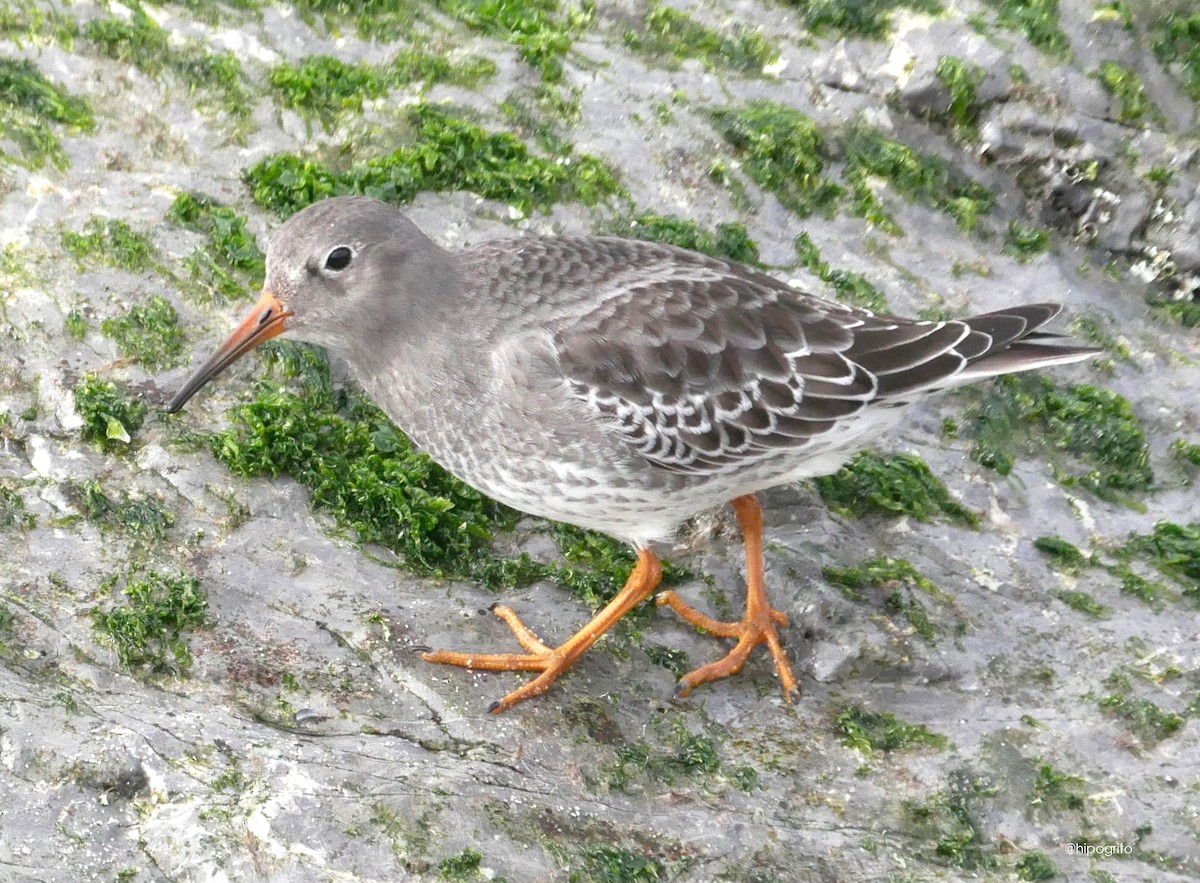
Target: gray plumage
<point>617,384</point>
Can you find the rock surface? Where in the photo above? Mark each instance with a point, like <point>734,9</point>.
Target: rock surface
<point>307,741</point>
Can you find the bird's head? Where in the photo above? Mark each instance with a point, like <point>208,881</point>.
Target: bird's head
<point>337,275</point>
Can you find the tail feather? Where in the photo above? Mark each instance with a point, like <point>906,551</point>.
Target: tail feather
<point>1014,349</point>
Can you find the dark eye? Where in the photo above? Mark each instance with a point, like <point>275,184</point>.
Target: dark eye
<point>339,258</point>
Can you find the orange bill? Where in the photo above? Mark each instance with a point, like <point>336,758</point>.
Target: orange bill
<point>264,321</point>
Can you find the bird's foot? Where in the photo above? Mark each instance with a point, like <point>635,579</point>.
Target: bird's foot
<point>757,627</point>
<point>550,661</point>
<point>553,661</point>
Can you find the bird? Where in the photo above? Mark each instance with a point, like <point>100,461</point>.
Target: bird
<point>618,385</point>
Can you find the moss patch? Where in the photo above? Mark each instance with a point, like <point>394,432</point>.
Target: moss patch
<point>541,30</point>
<point>951,819</point>
<point>1096,427</point>
<point>1176,44</point>
<point>13,514</point>
<point>229,263</point>
<point>674,754</point>
<point>1025,242</point>
<point>962,80</point>
<point>897,578</point>
<point>447,154</point>
<point>856,18</point>
<point>109,419</point>
<point>1054,790</point>
<point>464,866</point>
<point>112,243</point>
<point>149,630</point>
<point>31,110</point>
<point>899,485</point>
<point>1037,20</point>
<point>728,241</point>
<point>920,177</point>
<point>149,332</point>
<point>666,34</point>
<point>871,731</point>
<point>1036,866</point>
<point>849,287</point>
<point>140,518</point>
<point>783,151</point>
<point>1171,549</point>
<point>217,78</point>
<point>324,87</point>
<point>1133,104</point>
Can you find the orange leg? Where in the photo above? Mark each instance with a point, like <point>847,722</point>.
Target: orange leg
<point>756,627</point>
<point>553,661</point>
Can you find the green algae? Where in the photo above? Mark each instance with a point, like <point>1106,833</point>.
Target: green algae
<point>1054,791</point>
<point>13,514</point>
<point>1063,555</point>
<point>75,324</point>
<point>24,23</point>
<point>874,484</point>
<point>149,332</point>
<point>381,20</point>
<point>674,753</point>
<point>849,287</point>
<point>325,87</point>
<point>464,866</point>
<point>541,30</point>
<point>149,629</point>
<point>1148,721</point>
<point>925,179</point>
<point>1181,311</point>
<point>962,80</point>
<point>891,575</point>
<point>1090,330</point>
<point>1133,104</point>
<point>109,418</point>
<point>1037,20</point>
<point>870,731</point>
<point>31,109</point>
<point>668,35</point>
<point>217,78</point>
<point>229,263</point>
<point>612,864</point>
<point>1186,452</point>
<point>1171,549</point>
<point>952,819</point>
<point>1035,865</point>
<point>140,518</point>
<point>447,154</point>
<point>1106,448</point>
<point>1083,602</point>
<point>1175,40</point>
<point>729,241</point>
<point>783,151</point>
<point>856,18</point>
<point>110,242</point>
<point>1025,242</point>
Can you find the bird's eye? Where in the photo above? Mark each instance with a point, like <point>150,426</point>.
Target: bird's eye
<point>338,258</point>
